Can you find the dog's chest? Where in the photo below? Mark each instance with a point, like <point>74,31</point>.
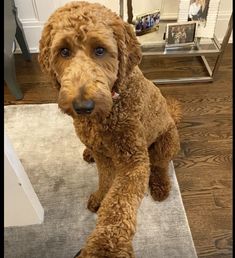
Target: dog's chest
<point>90,135</point>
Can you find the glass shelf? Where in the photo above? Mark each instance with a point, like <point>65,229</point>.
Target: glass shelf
<point>153,44</point>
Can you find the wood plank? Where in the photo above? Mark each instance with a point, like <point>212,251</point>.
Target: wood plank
<point>196,148</point>
<point>222,198</point>
<point>206,128</point>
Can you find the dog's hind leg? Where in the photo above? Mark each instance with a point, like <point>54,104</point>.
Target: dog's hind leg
<point>161,153</point>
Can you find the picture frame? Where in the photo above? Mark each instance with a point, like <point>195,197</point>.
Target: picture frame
<point>180,34</point>
<point>147,22</point>
<point>205,12</point>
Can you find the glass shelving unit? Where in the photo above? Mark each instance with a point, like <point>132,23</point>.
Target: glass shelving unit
<point>153,44</point>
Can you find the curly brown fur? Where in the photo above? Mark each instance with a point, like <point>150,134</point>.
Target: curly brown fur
<point>174,108</point>
<point>88,156</point>
<point>126,136</point>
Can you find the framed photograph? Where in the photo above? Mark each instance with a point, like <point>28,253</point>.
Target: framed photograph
<point>205,12</point>
<point>147,22</point>
<point>180,34</point>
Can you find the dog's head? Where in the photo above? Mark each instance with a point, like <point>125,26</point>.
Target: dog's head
<point>87,49</point>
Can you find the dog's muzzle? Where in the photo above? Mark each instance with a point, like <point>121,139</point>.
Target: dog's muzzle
<point>83,107</point>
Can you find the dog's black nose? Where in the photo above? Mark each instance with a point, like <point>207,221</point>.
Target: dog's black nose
<point>84,106</point>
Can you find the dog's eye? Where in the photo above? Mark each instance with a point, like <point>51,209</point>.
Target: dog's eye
<point>65,52</point>
<point>99,51</point>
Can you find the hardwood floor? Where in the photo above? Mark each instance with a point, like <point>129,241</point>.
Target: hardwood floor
<point>204,164</point>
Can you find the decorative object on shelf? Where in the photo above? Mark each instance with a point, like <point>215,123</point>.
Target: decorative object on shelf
<point>180,34</point>
<point>147,22</point>
<point>205,12</point>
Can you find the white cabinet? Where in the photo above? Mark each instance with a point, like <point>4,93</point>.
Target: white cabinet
<point>21,204</point>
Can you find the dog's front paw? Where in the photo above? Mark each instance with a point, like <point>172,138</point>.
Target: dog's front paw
<point>87,156</point>
<point>93,203</point>
<point>159,189</point>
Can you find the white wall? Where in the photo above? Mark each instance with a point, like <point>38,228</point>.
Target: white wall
<point>225,10</point>
<point>34,13</point>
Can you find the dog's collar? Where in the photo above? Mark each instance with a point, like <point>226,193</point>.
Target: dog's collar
<point>115,95</point>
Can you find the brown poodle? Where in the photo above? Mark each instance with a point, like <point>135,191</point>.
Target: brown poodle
<point>126,124</point>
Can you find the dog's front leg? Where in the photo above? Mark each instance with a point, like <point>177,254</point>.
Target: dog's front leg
<point>106,173</point>
<point>117,214</point>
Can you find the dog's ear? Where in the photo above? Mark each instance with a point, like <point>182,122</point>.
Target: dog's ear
<point>133,47</point>
<point>129,52</point>
<point>44,56</point>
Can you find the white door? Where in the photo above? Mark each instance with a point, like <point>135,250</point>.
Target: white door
<point>21,204</point>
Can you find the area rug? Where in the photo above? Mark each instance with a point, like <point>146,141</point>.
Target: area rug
<point>51,154</point>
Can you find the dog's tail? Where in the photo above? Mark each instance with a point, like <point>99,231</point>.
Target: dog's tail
<point>174,109</point>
